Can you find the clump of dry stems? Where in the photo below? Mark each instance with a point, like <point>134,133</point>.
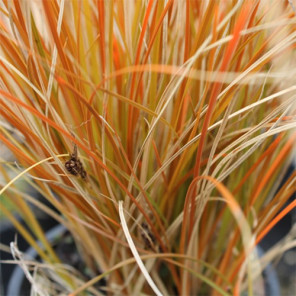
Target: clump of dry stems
<point>183,117</point>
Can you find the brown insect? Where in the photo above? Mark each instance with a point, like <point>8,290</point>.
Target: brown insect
<point>147,236</point>
<point>74,166</point>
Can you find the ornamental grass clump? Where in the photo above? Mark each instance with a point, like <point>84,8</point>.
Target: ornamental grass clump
<point>158,132</point>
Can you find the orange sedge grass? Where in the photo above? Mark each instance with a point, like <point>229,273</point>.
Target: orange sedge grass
<point>183,114</point>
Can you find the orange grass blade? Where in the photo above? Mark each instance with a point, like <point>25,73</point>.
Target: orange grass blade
<point>275,220</point>
<point>264,232</point>
<point>132,117</point>
<point>101,14</point>
<point>91,154</point>
<point>141,38</point>
<point>242,19</point>
<point>268,151</point>
<point>282,155</point>
<point>238,214</point>
<point>239,25</point>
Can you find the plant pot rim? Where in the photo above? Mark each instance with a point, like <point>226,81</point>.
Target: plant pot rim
<point>17,277</point>
<point>271,283</point>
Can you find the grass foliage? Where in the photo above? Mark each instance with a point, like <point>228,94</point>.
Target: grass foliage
<point>183,116</point>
